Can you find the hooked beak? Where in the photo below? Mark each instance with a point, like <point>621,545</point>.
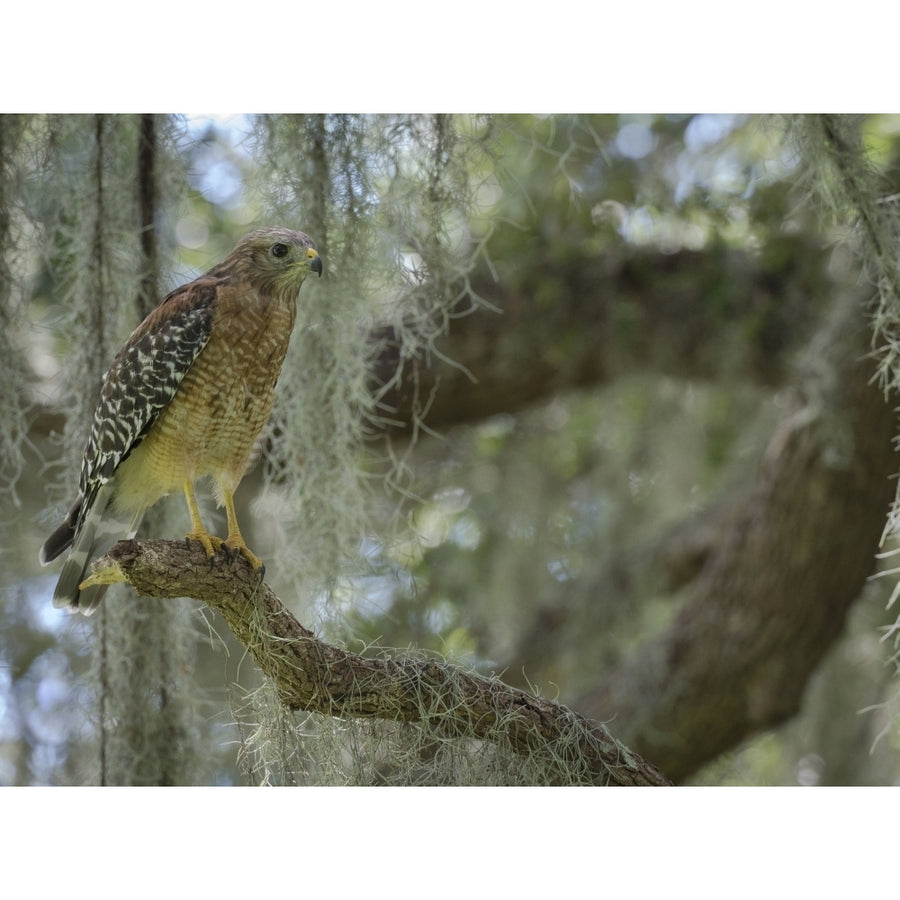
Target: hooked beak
<point>314,261</point>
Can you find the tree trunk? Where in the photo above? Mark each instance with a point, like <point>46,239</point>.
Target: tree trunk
<point>773,595</point>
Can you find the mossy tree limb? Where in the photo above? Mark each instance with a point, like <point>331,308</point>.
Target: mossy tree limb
<point>314,676</point>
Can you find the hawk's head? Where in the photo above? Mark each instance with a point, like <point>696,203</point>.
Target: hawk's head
<point>274,260</point>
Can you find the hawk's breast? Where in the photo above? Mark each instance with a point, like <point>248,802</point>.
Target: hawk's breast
<point>212,423</point>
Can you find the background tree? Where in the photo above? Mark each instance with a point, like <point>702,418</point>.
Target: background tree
<point>582,401</point>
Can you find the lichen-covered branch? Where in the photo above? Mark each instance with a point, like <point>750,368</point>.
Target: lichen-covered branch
<point>315,676</point>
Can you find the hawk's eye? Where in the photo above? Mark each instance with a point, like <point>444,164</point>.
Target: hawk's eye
<point>279,250</point>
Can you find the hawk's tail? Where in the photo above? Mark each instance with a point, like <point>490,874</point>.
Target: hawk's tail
<point>101,528</point>
<point>62,538</point>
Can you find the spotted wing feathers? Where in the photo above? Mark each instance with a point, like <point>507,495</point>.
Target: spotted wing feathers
<point>142,379</point>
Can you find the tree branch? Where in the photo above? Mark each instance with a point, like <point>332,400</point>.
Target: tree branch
<point>687,314</point>
<point>312,675</point>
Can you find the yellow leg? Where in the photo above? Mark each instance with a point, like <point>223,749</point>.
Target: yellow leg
<point>235,541</point>
<point>198,532</point>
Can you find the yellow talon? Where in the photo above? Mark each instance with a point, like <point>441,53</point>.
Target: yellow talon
<point>233,544</point>
<point>210,542</point>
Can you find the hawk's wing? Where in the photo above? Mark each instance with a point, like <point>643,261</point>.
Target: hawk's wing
<point>139,383</point>
<point>142,379</point>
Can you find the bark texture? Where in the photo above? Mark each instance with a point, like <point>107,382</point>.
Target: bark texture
<point>314,676</point>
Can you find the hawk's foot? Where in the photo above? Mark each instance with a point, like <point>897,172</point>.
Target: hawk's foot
<point>210,542</point>
<point>234,544</point>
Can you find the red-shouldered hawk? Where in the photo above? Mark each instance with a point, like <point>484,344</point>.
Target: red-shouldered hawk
<point>186,397</point>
